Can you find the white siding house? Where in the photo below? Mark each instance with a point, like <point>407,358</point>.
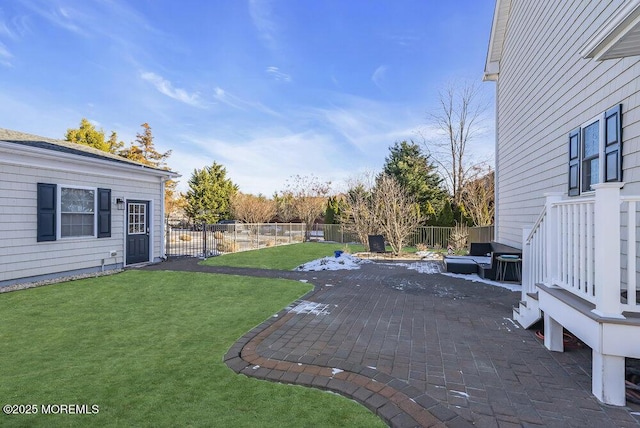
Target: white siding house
<point>567,79</point>
<point>68,209</point>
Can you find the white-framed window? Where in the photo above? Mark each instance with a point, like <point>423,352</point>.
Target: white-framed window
<point>137,218</point>
<point>595,152</point>
<point>77,211</point>
<point>65,211</point>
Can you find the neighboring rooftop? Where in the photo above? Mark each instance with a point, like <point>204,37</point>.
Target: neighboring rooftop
<point>63,146</point>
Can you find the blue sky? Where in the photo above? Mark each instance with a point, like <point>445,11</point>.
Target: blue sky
<point>267,88</point>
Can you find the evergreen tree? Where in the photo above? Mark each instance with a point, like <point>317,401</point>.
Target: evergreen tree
<point>88,135</point>
<point>143,150</point>
<point>209,194</point>
<point>335,206</point>
<point>417,175</point>
<point>115,146</point>
<point>445,216</point>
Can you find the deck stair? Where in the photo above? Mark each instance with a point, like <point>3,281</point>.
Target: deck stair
<point>528,310</point>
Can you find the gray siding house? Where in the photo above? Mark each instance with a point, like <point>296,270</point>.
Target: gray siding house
<point>567,76</point>
<point>68,209</point>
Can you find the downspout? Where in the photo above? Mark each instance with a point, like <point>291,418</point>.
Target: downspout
<point>163,253</point>
<point>496,181</point>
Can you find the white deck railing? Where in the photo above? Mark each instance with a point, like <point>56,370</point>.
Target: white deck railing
<point>575,270</point>
<point>584,245</point>
<point>630,212</point>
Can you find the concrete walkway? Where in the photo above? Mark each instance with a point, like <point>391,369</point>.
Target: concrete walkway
<point>419,350</point>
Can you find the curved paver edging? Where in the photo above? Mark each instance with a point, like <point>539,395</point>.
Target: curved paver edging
<point>395,401</point>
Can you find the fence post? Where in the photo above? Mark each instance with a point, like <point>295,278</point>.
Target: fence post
<point>204,239</point>
<point>167,237</point>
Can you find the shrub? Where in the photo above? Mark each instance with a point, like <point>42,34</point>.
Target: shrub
<point>218,235</point>
<point>421,247</point>
<point>458,237</point>
<point>185,238</point>
<point>227,247</point>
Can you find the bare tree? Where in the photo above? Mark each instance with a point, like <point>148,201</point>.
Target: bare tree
<point>284,206</point>
<point>458,122</point>
<point>386,209</point>
<point>358,217</point>
<point>306,199</point>
<point>252,209</point>
<point>478,196</point>
<point>396,211</point>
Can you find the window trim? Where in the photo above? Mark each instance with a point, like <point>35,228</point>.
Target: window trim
<point>583,159</point>
<point>59,212</point>
<point>49,212</point>
<point>605,149</point>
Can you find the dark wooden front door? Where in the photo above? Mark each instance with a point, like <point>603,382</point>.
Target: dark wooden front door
<point>137,232</point>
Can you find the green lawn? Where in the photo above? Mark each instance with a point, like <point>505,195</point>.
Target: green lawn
<point>147,348</point>
<point>283,257</point>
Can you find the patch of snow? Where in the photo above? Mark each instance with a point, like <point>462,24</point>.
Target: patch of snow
<point>371,367</point>
<point>210,253</point>
<point>306,307</point>
<point>512,322</point>
<point>475,278</point>
<point>328,285</point>
<point>335,371</point>
<point>256,367</point>
<point>428,255</point>
<point>344,262</point>
<point>428,267</point>
<point>304,280</point>
<point>275,316</point>
<point>462,394</point>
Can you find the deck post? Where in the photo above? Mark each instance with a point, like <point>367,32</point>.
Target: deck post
<point>553,334</point>
<point>551,239</point>
<point>607,381</point>
<point>528,285</point>
<point>607,250</point>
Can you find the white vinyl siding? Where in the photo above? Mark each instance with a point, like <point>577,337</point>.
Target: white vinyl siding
<point>545,89</point>
<point>21,256</point>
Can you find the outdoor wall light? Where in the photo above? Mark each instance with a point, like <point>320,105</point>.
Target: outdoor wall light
<point>120,203</point>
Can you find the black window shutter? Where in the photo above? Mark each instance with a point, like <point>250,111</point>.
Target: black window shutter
<point>574,162</point>
<point>104,213</point>
<point>613,144</point>
<point>46,207</point>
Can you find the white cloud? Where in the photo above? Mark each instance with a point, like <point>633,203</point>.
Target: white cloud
<point>264,21</point>
<point>241,104</point>
<point>5,55</point>
<point>334,144</point>
<point>166,88</point>
<point>276,74</point>
<point>379,75</point>
<point>72,20</point>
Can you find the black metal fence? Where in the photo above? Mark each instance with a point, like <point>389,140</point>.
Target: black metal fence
<point>431,236</point>
<point>206,240</point>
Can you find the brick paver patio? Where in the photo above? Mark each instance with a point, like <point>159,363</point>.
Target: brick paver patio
<point>419,350</point>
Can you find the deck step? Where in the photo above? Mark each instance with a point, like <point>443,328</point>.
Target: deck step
<point>533,295</point>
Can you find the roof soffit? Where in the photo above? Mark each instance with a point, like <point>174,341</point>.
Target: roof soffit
<point>619,37</point>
